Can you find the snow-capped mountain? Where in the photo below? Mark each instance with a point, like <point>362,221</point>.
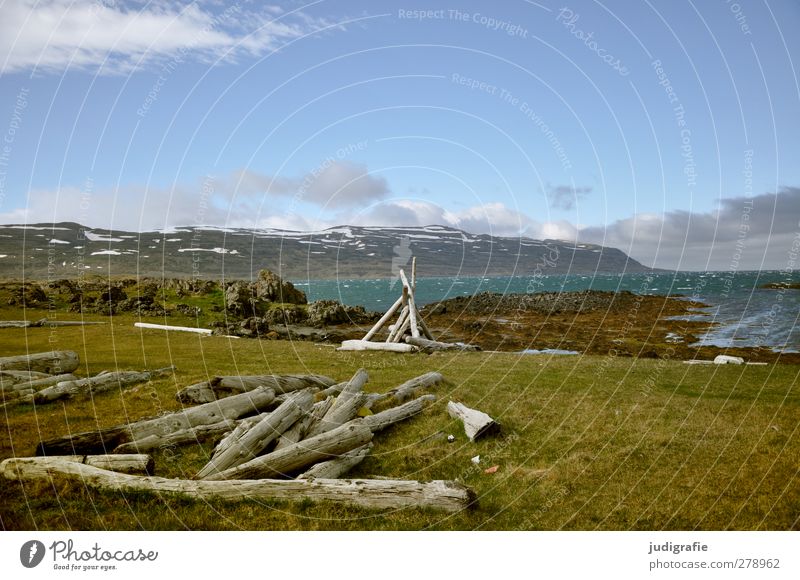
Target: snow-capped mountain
<point>68,250</point>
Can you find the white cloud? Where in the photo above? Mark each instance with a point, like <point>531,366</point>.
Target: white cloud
<point>109,37</point>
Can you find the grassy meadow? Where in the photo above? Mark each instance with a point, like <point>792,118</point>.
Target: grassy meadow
<point>587,442</point>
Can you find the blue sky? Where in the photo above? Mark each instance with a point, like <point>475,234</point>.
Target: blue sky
<point>666,128</point>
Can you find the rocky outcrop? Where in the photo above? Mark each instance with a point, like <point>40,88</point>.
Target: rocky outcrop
<point>248,299</point>
<point>330,313</point>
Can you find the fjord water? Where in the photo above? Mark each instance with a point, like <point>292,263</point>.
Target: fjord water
<point>744,314</point>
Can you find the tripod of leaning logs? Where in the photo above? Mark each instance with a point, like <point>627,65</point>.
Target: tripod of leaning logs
<point>409,321</point>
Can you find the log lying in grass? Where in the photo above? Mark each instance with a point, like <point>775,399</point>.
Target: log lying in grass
<point>132,464</point>
<point>384,419</point>
<point>476,423</point>
<point>360,345</point>
<point>369,493</point>
<point>108,439</point>
<point>301,455</point>
<point>337,467</point>
<point>97,384</point>
<point>332,390</point>
<point>55,362</point>
<point>220,387</point>
<point>346,405</point>
<point>206,331</point>
<point>196,434</point>
<point>256,439</point>
<point>426,345</point>
<point>9,379</point>
<point>39,384</point>
<point>408,389</point>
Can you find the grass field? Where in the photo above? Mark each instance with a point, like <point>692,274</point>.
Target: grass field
<point>587,442</point>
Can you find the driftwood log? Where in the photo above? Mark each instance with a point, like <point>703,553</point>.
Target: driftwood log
<point>196,434</point>
<point>369,493</point>
<point>219,387</point>
<point>337,467</point>
<point>97,384</point>
<point>108,439</point>
<point>301,428</point>
<point>360,345</point>
<point>297,457</point>
<point>384,419</point>
<point>261,434</point>
<point>52,363</point>
<point>476,423</point>
<point>133,464</point>
<point>384,319</point>
<point>41,383</point>
<point>10,378</point>
<point>426,345</point>
<point>241,427</point>
<point>408,389</point>
<point>346,405</point>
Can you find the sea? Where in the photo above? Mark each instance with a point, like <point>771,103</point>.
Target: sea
<point>743,313</point>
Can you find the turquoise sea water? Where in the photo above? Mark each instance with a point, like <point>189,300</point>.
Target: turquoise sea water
<point>744,313</point>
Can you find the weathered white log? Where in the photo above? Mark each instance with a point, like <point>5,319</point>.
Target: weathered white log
<point>16,323</point>
<point>367,493</point>
<point>12,398</point>
<point>44,322</point>
<point>97,384</point>
<point>206,331</point>
<point>301,455</point>
<point>424,327</point>
<point>395,328</point>
<point>337,467</point>
<point>476,423</point>
<point>332,390</point>
<point>220,387</point>
<point>196,434</point>
<point>426,345</point>
<point>132,463</point>
<point>8,379</point>
<point>346,405</point>
<point>53,363</point>
<point>412,308</point>
<point>401,329</point>
<point>384,319</point>
<point>256,439</point>
<point>231,436</point>
<point>408,389</point>
<point>301,428</point>
<point>107,439</point>
<point>389,417</point>
<point>39,384</point>
<point>281,384</point>
<point>724,359</point>
<point>367,345</point>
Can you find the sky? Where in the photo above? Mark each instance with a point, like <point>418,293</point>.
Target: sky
<point>665,128</point>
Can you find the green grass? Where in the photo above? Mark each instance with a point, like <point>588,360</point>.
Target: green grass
<point>627,443</point>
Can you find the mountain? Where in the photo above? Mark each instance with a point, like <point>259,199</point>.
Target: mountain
<point>69,250</point>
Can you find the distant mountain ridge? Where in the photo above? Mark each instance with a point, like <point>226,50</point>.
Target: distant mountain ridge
<point>69,250</point>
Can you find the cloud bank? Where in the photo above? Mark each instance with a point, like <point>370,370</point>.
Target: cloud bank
<point>107,37</point>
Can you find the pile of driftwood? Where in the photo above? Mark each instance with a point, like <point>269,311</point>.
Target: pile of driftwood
<point>276,436</point>
<point>47,376</point>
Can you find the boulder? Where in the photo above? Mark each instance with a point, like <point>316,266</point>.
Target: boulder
<point>269,286</point>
